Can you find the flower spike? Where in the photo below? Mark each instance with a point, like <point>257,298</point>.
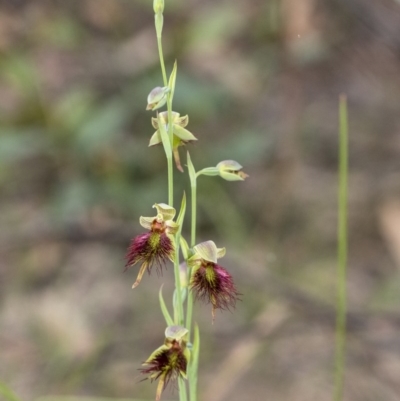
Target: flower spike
<point>169,361</point>
<point>212,282</point>
<point>155,246</point>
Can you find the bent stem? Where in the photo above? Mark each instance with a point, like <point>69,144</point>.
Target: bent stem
<point>342,251</point>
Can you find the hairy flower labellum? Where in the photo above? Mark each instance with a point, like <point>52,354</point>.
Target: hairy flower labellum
<point>155,246</point>
<point>169,361</point>
<point>212,282</point>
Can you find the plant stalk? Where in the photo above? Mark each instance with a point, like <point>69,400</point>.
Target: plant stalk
<point>340,354</point>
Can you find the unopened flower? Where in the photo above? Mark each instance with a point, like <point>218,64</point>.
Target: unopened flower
<point>230,170</point>
<point>158,6</point>
<point>212,282</point>
<point>155,246</point>
<point>157,98</point>
<point>169,361</point>
<point>181,136</point>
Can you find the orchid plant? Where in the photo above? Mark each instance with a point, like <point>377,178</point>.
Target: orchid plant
<point>199,276</point>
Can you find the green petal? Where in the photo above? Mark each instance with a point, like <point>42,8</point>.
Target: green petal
<point>155,139</point>
<point>207,251</point>
<point>173,227</point>
<point>221,252</point>
<point>146,222</point>
<point>167,212</point>
<point>183,133</point>
<point>183,121</point>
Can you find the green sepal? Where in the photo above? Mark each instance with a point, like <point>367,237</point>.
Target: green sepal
<point>165,139</point>
<point>210,171</point>
<point>146,222</point>
<point>207,251</point>
<point>167,212</point>
<point>183,133</point>
<point>155,139</point>
<point>192,171</point>
<point>164,309</point>
<point>172,80</point>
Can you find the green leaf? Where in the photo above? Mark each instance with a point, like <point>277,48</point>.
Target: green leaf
<point>164,138</point>
<point>164,309</point>
<point>182,212</point>
<point>185,248</point>
<point>172,81</point>
<point>192,171</point>
<point>7,393</point>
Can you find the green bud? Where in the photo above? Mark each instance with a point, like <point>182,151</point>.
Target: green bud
<point>158,6</point>
<point>230,170</point>
<point>157,98</point>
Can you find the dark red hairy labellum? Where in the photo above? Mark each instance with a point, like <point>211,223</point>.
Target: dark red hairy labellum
<point>214,284</point>
<point>168,363</point>
<point>149,248</point>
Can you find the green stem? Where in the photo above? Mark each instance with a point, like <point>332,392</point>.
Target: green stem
<point>189,312</point>
<point>161,55</point>
<point>178,291</point>
<point>342,251</point>
<point>182,390</point>
<point>170,181</point>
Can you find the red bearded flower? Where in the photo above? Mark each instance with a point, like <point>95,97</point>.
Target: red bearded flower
<point>210,281</point>
<point>169,361</point>
<point>155,246</point>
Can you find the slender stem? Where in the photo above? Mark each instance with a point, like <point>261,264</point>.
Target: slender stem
<point>189,312</point>
<point>170,165</point>
<point>161,55</point>
<point>182,390</point>
<point>178,289</point>
<point>342,251</point>
<point>194,214</point>
<point>170,181</point>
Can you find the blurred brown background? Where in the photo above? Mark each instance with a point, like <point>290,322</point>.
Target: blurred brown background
<point>260,81</point>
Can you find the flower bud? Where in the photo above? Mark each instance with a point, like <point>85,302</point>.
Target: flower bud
<point>157,98</point>
<point>230,170</point>
<point>158,6</point>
